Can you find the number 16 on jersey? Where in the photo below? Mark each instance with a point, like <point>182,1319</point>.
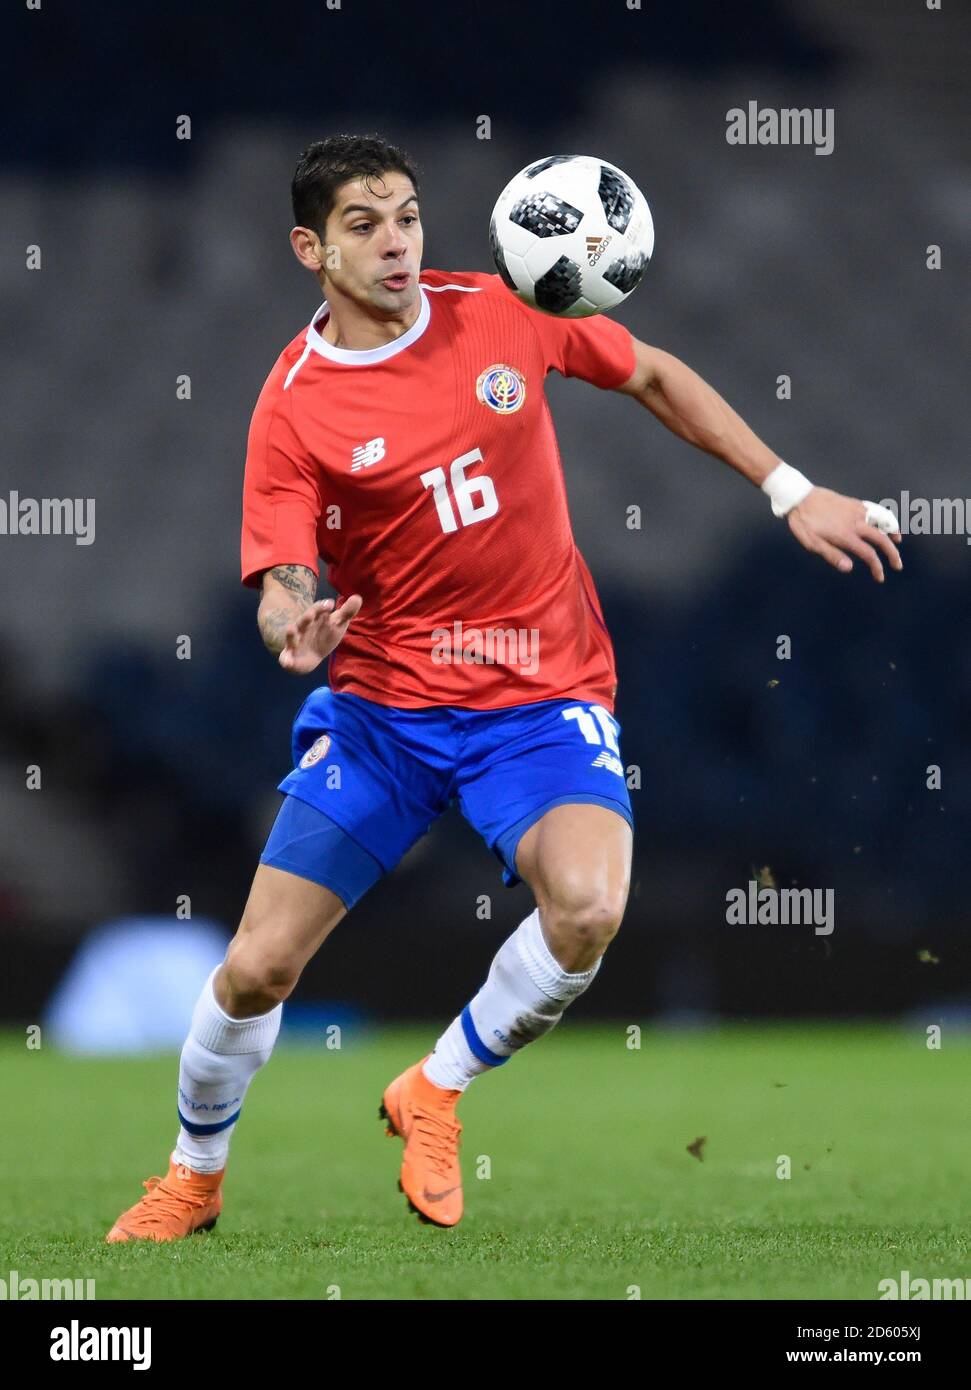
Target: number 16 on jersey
<point>464,492</point>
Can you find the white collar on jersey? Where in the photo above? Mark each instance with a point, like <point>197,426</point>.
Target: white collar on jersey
<point>363,357</point>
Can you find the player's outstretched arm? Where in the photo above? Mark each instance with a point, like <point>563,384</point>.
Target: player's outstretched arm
<point>824,522</point>
<point>300,632</point>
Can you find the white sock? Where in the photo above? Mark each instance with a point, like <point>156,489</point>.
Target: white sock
<point>220,1058</point>
<point>523,997</point>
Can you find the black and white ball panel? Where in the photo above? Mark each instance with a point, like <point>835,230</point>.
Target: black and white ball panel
<point>544,214</point>
<point>560,287</point>
<point>617,198</point>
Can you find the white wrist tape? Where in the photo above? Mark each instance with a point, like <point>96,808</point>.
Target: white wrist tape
<point>786,487</point>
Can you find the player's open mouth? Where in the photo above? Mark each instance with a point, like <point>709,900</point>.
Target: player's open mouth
<point>396,282</point>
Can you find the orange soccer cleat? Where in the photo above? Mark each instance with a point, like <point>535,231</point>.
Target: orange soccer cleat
<point>177,1205</point>
<point>423,1115</point>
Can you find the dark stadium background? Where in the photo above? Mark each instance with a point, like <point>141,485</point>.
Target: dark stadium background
<point>163,257</point>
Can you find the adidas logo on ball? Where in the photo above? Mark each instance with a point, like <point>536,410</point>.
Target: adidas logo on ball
<point>596,246</point>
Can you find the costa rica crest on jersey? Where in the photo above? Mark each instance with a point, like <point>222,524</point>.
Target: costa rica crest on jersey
<point>316,751</point>
<point>501,388</point>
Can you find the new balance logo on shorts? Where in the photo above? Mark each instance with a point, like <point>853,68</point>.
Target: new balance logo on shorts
<point>608,761</point>
<point>366,454</point>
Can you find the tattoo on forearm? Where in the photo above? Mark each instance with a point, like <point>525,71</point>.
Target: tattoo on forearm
<point>300,585</point>
<point>298,580</point>
<point>273,627</point>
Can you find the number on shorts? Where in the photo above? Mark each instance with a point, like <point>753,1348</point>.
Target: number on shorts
<point>589,718</point>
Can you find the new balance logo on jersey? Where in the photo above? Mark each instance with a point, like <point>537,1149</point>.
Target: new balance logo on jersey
<point>608,761</point>
<point>366,454</point>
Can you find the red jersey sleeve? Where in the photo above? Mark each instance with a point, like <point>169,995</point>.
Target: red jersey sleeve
<point>598,349</point>
<point>281,495</point>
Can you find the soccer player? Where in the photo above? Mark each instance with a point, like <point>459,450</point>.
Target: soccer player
<point>404,438</point>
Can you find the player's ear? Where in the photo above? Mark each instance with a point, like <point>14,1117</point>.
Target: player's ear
<point>307,248</point>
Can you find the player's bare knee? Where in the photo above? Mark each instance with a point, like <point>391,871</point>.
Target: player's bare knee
<point>587,923</point>
<point>254,981</point>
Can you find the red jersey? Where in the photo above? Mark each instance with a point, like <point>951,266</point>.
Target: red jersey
<point>426,473</point>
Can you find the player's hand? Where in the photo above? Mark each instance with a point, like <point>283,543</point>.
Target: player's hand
<point>316,633</point>
<point>828,524</point>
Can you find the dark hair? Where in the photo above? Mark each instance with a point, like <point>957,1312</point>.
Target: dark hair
<point>326,164</point>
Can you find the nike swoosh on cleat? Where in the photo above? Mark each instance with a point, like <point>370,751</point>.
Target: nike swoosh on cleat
<point>439,1196</point>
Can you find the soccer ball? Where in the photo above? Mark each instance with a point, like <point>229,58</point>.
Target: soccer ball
<point>571,235</point>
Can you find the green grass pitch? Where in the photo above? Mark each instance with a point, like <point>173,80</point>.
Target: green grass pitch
<point>592,1191</point>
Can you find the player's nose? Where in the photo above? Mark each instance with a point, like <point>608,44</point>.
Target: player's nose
<point>394,244</point>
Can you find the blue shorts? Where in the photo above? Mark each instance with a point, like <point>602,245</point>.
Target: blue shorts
<point>370,779</point>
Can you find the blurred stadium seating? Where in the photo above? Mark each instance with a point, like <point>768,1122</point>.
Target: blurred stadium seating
<point>159,773</point>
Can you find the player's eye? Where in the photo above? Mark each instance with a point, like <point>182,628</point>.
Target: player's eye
<point>410,218</point>
<point>360,227</point>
